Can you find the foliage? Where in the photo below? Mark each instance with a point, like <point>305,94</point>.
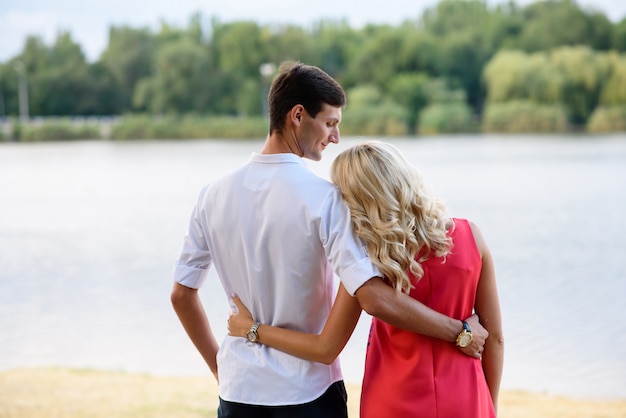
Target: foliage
<point>614,91</point>
<point>608,119</point>
<point>554,23</point>
<point>467,30</point>
<point>224,127</point>
<point>54,130</point>
<point>178,83</point>
<point>132,127</point>
<point>373,63</point>
<point>188,127</point>
<point>439,118</point>
<point>446,109</point>
<point>385,120</point>
<point>410,91</point>
<point>369,112</point>
<point>584,73</point>
<point>552,53</point>
<point>573,77</point>
<point>129,56</point>
<point>524,117</point>
<point>619,36</point>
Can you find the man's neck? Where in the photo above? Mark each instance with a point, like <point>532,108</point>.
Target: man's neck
<point>281,144</point>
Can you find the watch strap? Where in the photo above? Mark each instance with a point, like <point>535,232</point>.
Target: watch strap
<point>466,326</point>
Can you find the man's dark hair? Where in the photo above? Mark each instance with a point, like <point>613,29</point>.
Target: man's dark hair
<point>302,84</point>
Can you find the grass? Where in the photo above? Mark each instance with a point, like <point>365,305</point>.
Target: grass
<point>69,393</point>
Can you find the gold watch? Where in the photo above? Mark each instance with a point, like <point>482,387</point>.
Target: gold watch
<point>465,336</point>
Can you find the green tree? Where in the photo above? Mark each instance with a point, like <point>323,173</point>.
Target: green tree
<point>63,88</point>
<point>600,31</point>
<point>288,43</point>
<point>238,48</point>
<point>619,36</point>
<point>103,95</point>
<point>129,56</point>
<point>614,91</point>
<point>409,91</point>
<point>238,51</point>
<point>370,112</point>
<point>467,32</point>
<point>508,23</point>
<point>376,60</point>
<point>420,51</point>
<point>542,82</point>
<point>553,23</point>
<point>584,73</point>
<point>179,84</point>
<point>32,61</point>
<point>8,90</point>
<point>58,77</point>
<point>515,75</point>
<point>34,55</point>
<point>463,59</point>
<point>338,44</point>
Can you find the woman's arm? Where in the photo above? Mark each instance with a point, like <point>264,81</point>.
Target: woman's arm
<point>488,309</point>
<point>323,348</point>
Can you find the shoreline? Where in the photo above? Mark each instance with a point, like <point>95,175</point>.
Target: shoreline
<point>36,392</point>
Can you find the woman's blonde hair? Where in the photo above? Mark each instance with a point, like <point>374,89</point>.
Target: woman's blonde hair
<point>391,209</point>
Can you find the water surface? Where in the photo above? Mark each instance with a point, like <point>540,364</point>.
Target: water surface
<point>89,232</point>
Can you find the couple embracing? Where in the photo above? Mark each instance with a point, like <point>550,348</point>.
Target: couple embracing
<point>277,234</point>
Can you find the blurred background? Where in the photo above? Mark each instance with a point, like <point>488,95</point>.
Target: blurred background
<point>114,115</point>
<point>201,69</point>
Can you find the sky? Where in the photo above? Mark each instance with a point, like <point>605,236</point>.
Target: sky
<point>88,21</point>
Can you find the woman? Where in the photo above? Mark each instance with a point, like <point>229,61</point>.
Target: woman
<point>443,262</point>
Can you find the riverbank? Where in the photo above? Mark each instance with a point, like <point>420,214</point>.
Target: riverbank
<point>29,393</point>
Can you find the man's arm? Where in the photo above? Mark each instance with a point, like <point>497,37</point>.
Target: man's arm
<point>191,313</point>
<point>402,311</point>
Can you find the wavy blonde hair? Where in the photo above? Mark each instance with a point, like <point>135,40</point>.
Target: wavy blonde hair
<point>391,209</point>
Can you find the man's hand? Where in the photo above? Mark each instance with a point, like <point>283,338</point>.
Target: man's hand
<point>479,336</point>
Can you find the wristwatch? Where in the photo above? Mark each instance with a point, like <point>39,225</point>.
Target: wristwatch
<point>253,334</point>
<point>465,336</point>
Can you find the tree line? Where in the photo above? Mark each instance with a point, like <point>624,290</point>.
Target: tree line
<point>459,65</point>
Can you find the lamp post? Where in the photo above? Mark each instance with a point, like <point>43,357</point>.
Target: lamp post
<point>267,70</point>
<point>22,90</point>
<point>2,110</point>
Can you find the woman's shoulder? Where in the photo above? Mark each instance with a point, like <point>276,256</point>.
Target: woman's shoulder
<point>472,227</point>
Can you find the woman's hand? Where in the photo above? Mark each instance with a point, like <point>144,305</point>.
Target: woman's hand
<point>240,322</point>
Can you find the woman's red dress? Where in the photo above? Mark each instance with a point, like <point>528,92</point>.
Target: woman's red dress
<point>410,375</point>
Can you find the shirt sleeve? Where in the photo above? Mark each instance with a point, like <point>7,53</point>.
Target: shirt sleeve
<point>192,266</point>
<point>344,249</point>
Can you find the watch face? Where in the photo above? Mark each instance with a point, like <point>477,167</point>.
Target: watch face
<point>252,336</point>
<point>465,340</point>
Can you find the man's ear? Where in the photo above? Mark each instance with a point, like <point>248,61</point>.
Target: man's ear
<point>296,114</point>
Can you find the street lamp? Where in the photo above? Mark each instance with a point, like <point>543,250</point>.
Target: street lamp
<point>23,90</point>
<point>267,71</point>
<point>2,110</point>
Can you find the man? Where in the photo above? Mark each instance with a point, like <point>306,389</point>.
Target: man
<point>275,233</point>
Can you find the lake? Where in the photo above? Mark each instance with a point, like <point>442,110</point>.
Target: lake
<point>89,232</point>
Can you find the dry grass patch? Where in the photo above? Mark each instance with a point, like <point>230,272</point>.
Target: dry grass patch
<point>64,393</point>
